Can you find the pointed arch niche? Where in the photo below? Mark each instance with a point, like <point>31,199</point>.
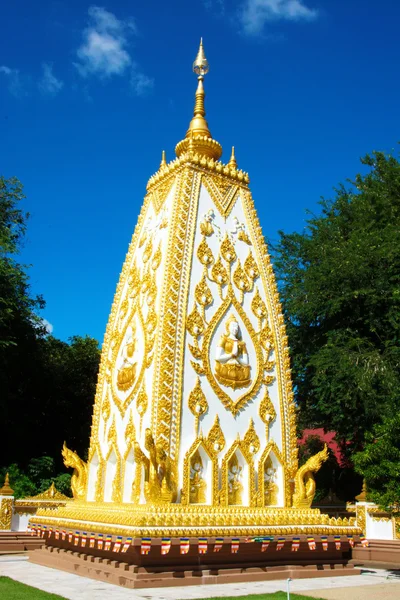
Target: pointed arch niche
<point>96,468</point>
<point>237,478</point>
<point>200,474</point>
<point>271,487</point>
<point>112,482</point>
<point>129,474</point>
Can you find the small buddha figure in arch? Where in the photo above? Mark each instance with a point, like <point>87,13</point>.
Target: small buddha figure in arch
<point>271,489</point>
<point>235,486</point>
<point>198,486</point>
<point>232,367</point>
<point>127,371</point>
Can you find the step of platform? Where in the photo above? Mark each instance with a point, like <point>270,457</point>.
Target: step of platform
<point>132,576</point>
<point>12,542</point>
<point>383,554</point>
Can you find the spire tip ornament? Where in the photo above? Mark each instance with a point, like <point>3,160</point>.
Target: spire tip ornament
<point>6,490</point>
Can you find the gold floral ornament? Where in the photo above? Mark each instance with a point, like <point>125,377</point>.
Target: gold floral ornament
<point>142,403</point>
<point>267,412</point>
<point>219,273</point>
<point>79,476</point>
<point>127,371</point>
<point>204,254</point>
<point>251,439</point>
<point>258,306</point>
<point>130,433</point>
<point>240,279</point>
<point>198,404</point>
<point>112,433</point>
<point>203,294</point>
<point>232,367</point>
<point>148,251</point>
<point>156,260</point>
<point>195,323</point>
<point>216,438</point>
<point>228,250</point>
<point>105,410</point>
<point>251,268</point>
<point>134,281</point>
<point>198,486</point>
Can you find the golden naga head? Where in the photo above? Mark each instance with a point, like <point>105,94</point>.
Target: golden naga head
<point>314,463</point>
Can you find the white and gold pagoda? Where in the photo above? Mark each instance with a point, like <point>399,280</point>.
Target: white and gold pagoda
<point>194,422</point>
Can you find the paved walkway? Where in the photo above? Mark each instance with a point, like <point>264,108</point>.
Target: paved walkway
<point>372,585</point>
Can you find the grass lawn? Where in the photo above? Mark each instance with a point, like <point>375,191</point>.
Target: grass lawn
<point>274,596</point>
<point>13,590</point>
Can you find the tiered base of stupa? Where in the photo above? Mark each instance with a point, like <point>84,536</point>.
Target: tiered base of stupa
<point>169,545</point>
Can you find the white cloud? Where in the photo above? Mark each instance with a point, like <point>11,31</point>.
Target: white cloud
<point>141,84</point>
<point>104,51</point>
<point>49,84</point>
<point>48,326</point>
<point>256,13</point>
<point>14,81</point>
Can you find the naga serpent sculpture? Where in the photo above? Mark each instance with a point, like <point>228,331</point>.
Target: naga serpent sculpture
<point>79,476</point>
<point>304,482</point>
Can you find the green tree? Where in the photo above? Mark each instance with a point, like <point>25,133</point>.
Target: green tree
<point>340,286</point>
<point>47,386</point>
<point>379,462</point>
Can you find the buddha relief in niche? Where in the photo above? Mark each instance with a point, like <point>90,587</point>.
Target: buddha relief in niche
<point>235,486</point>
<point>271,489</point>
<point>232,367</point>
<point>198,486</point>
<point>127,370</point>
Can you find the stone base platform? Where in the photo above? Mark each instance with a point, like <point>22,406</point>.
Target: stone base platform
<point>18,541</point>
<point>382,554</point>
<point>134,570</point>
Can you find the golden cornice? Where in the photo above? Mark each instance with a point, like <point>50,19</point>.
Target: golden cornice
<point>195,520</point>
<point>196,160</point>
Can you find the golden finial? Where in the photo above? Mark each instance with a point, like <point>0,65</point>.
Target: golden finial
<point>163,160</point>
<point>198,137</point>
<point>6,489</point>
<point>198,125</point>
<point>232,163</point>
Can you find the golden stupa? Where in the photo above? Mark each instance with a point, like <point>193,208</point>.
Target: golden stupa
<point>194,430</point>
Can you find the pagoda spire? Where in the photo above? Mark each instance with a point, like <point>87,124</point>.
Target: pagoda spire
<point>198,137</point>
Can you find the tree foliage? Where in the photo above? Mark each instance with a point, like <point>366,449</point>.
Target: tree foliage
<point>340,286</point>
<point>47,385</point>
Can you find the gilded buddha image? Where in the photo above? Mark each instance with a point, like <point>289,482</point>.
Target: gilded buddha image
<point>127,370</point>
<point>271,489</point>
<point>232,367</point>
<point>235,486</point>
<point>198,486</point>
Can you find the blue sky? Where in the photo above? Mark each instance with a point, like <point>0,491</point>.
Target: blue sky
<point>91,93</point>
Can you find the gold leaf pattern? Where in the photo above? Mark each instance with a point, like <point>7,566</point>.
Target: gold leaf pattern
<point>204,253</point>
<point>148,250</point>
<point>227,250</point>
<point>219,273</point>
<point>200,370</point>
<point>266,410</point>
<point>251,439</point>
<point>216,438</point>
<point>250,267</point>
<point>258,306</point>
<point>196,352</point>
<point>156,260</point>
<point>142,402</point>
<point>130,433</point>
<point>240,279</point>
<point>194,322</point>
<point>203,293</point>
<point>197,401</point>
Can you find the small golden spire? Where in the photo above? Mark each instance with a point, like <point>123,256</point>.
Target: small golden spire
<point>163,160</point>
<point>232,163</point>
<point>6,489</point>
